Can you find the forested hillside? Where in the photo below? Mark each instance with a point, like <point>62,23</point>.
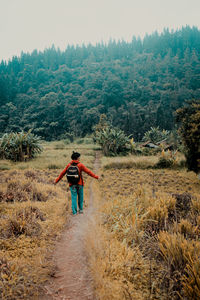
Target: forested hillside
<point>137,84</point>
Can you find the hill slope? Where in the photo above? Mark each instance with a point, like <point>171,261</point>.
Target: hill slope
<point>137,84</point>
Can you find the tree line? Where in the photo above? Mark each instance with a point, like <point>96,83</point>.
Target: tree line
<point>137,85</point>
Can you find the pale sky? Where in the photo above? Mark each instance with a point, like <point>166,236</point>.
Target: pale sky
<point>26,25</point>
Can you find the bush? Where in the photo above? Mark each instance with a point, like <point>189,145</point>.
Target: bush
<point>113,141</point>
<point>79,141</point>
<point>155,135</point>
<point>19,146</point>
<point>66,141</point>
<point>22,191</point>
<point>164,163</point>
<point>24,221</point>
<point>149,151</point>
<point>67,136</point>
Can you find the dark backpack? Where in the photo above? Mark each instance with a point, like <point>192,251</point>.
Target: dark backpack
<point>73,174</point>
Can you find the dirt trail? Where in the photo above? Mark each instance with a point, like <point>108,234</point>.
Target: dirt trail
<point>72,279</point>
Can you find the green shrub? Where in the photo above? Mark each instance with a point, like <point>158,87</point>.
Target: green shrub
<point>67,136</point>
<point>19,146</point>
<point>79,141</point>
<point>66,141</point>
<point>164,163</point>
<point>155,135</point>
<point>149,151</point>
<point>113,141</point>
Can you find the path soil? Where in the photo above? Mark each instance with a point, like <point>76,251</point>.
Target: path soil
<point>72,279</point>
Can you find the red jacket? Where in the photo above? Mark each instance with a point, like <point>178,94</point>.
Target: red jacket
<point>81,168</point>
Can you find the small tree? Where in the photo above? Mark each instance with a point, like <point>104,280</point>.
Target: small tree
<point>113,141</point>
<point>189,119</point>
<point>155,135</point>
<point>19,146</point>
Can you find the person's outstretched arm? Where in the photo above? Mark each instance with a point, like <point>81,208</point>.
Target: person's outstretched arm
<point>89,172</point>
<point>61,174</point>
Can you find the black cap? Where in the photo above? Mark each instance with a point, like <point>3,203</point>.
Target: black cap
<point>75,155</point>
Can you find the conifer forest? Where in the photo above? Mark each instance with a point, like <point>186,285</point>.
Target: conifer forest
<point>137,85</point>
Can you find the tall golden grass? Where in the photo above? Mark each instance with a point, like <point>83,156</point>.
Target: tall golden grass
<point>148,234</point>
<point>119,272</point>
<point>144,232</point>
<point>33,213</point>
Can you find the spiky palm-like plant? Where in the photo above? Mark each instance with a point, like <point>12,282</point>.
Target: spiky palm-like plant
<point>113,141</point>
<point>19,146</point>
<point>155,135</point>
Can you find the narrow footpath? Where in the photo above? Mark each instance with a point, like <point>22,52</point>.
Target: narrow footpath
<point>72,279</point>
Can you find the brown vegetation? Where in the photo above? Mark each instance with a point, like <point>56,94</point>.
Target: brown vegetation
<point>144,239</point>
<point>150,232</point>
<point>30,208</point>
<point>33,213</point>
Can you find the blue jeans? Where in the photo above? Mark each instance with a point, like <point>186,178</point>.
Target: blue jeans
<point>76,190</point>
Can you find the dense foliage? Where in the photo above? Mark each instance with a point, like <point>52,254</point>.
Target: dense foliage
<point>189,118</point>
<point>156,135</point>
<point>19,146</point>
<point>137,85</point>
<point>113,141</point>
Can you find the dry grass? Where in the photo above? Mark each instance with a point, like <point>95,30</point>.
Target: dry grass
<point>29,209</point>
<point>32,214</point>
<point>119,272</point>
<point>144,243</point>
<point>129,162</point>
<point>56,154</point>
<point>138,162</point>
<point>152,217</point>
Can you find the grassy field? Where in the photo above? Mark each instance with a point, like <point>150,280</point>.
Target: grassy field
<point>55,155</point>
<point>33,213</point>
<point>150,230</point>
<point>144,237</point>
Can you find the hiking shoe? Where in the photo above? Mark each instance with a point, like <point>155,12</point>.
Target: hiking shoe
<point>80,211</point>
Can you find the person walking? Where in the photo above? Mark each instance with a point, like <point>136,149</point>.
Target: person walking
<point>74,175</point>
